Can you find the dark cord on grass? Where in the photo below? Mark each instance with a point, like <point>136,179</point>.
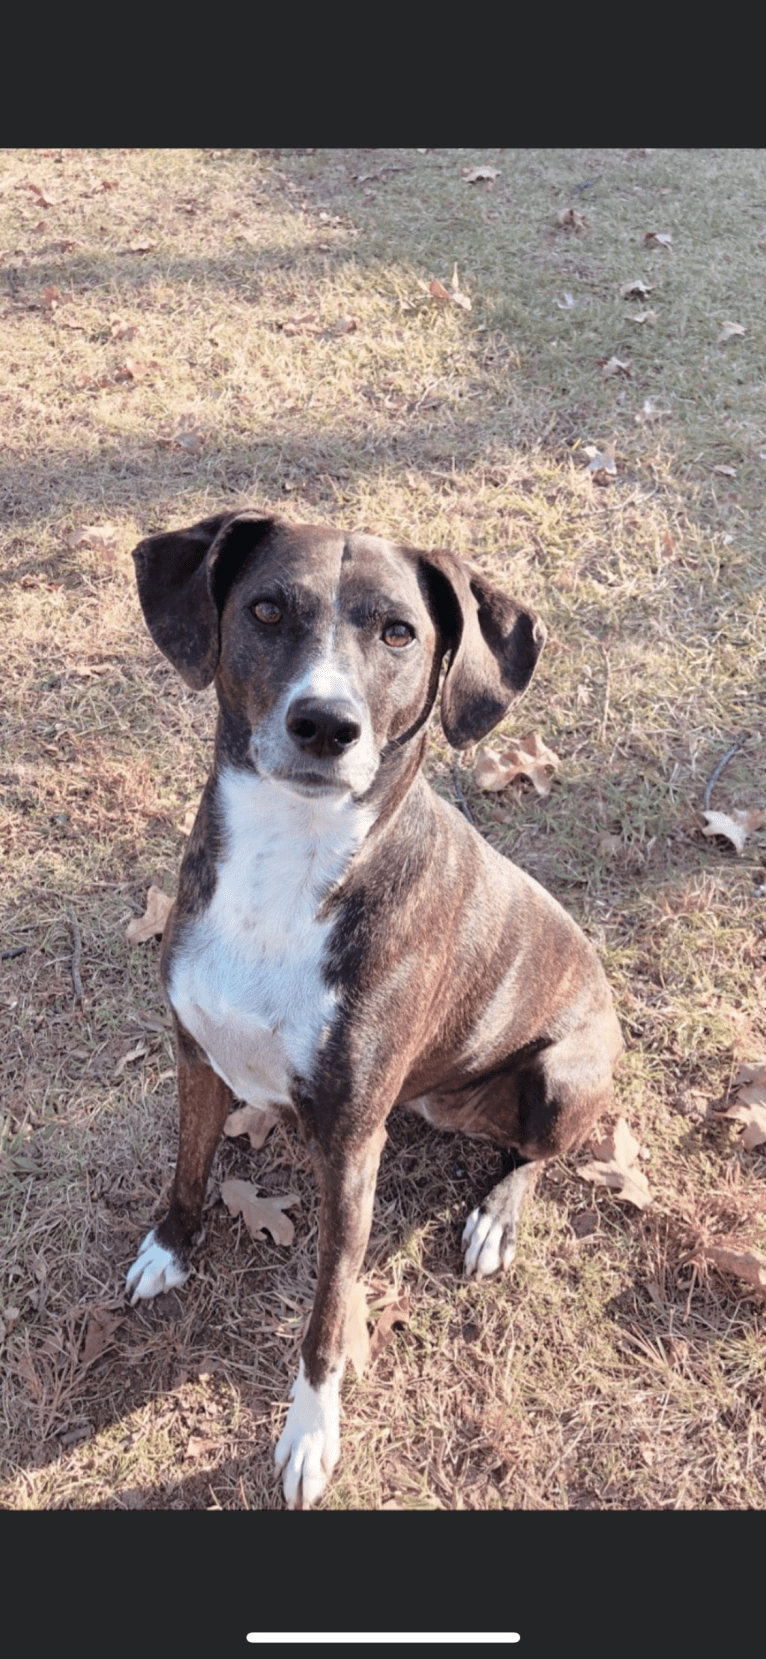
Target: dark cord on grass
<point>713,779</point>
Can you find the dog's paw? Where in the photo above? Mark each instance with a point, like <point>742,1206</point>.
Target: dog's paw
<point>309,1445</point>
<point>488,1243</point>
<point>155,1269</point>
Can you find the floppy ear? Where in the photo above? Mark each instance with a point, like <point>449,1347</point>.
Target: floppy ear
<point>183,579</point>
<point>494,642</point>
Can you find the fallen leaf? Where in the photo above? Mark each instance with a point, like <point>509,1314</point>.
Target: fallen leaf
<point>635,290</point>
<point>456,296</point>
<point>49,298</point>
<point>259,1214</point>
<point>136,1053</point>
<point>101,538</point>
<point>726,472</point>
<point>201,1445</point>
<point>437,289</point>
<point>615,365</point>
<point>729,1257</point>
<point>255,1121</point>
<point>658,239</point>
<point>120,330</point>
<point>613,1164</point>
<point>189,820</point>
<point>649,317</point>
<point>357,1335</point>
<point>478,174</point>
<point>152,924</point>
<point>601,460</point>
<point>396,1313</point>
<point>530,758</point>
<point>735,826</point>
<point>569,219</point>
<point>44,201</point>
<point>749,1107</point>
<point>307,324</point>
<point>567,302</point>
<point>99,1334</point>
<point>186,436</point>
<point>141,246</point>
<point>731,331</point>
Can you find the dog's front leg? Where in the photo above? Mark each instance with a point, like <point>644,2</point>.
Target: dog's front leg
<point>309,1445</point>
<point>204,1102</point>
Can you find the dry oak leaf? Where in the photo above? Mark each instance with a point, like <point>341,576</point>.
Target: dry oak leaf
<point>635,290</point>
<point>735,825</point>
<point>614,1165</point>
<point>601,460</point>
<point>478,174</point>
<point>357,1335</point>
<point>569,219</point>
<point>152,923</point>
<point>530,758</point>
<point>259,1214</point>
<point>255,1121</point>
<point>99,1334</point>
<point>729,1257</point>
<point>649,317</point>
<point>658,239</point>
<point>615,365</point>
<point>750,1105</point>
<point>730,331</point>
<point>395,1312</point>
<point>101,538</point>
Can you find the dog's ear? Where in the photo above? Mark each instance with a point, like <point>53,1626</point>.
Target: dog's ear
<point>494,644</point>
<point>183,579</point>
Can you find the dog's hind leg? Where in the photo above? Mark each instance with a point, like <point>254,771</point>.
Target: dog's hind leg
<point>204,1101</point>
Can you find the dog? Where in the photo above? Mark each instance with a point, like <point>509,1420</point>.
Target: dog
<point>343,941</point>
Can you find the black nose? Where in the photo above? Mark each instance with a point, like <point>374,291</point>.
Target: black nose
<point>322,728</point>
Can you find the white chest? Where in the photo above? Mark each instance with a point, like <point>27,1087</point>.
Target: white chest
<point>248,983</point>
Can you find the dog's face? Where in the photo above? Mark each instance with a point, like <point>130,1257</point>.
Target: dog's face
<point>326,649</point>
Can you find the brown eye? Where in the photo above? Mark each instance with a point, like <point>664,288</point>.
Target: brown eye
<point>397,634</point>
<point>267,611</point>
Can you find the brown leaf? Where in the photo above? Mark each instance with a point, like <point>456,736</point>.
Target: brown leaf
<point>658,239</point>
<point>437,289</point>
<point>731,331</point>
<point>750,1105</point>
<point>529,758</point>
<point>569,219</point>
<point>615,365</point>
<point>49,298</point>
<point>101,538</point>
<point>726,472</point>
<point>255,1121</point>
<point>614,1165</point>
<point>152,924</point>
<point>729,1257</point>
<point>241,1198</point>
<point>478,174</point>
<point>735,826</point>
<point>136,1053</point>
<point>456,296</point>
<point>396,1313</point>
<point>357,1335</point>
<point>99,1334</point>
<point>201,1445</point>
<point>120,330</point>
<point>43,200</point>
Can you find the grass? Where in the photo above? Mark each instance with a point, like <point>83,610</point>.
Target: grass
<point>177,337</point>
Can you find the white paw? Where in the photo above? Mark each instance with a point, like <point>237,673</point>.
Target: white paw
<point>153,1270</point>
<point>309,1445</point>
<point>483,1244</point>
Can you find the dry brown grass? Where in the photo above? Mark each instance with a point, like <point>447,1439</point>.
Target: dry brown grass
<point>610,1370</point>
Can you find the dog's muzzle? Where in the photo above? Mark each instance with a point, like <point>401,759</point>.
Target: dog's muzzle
<point>323,728</point>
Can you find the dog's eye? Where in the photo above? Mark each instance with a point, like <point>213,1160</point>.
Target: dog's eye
<point>267,611</point>
<point>398,634</point>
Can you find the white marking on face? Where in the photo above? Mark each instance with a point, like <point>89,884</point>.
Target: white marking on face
<point>155,1269</point>
<point>309,1445</point>
<point>247,983</point>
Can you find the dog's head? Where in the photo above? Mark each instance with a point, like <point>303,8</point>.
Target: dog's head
<point>326,649</point>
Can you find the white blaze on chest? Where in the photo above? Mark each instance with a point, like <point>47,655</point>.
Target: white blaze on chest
<point>247,982</point>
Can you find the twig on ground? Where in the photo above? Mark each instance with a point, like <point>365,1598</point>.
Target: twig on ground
<point>713,779</point>
<point>7,955</point>
<point>76,955</point>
